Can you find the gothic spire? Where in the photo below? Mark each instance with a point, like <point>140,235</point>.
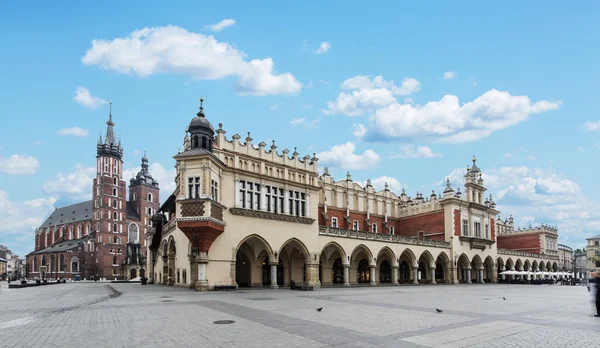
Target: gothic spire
<point>110,133</point>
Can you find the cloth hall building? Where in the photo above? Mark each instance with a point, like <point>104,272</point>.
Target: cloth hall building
<point>248,215</point>
<point>101,238</point>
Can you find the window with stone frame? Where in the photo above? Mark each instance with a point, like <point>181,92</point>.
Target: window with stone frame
<point>214,190</point>
<point>297,203</point>
<point>275,198</point>
<point>355,225</point>
<point>150,197</point>
<point>334,222</point>
<point>392,230</point>
<point>135,196</point>
<point>115,228</point>
<point>477,229</point>
<point>487,231</point>
<point>114,205</point>
<point>114,180</point>
<point>114,215</point>
<point>465,227</point>
<point>249,195</point>
<point>134,233</point>
<point>194,187</point>
<point>374,228</point>
<point>114,192</point>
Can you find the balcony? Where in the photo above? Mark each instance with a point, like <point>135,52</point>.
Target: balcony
<point>477,242</point>
<point>201,221</point>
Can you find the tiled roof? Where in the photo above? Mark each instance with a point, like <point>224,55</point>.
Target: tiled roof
<point>62,246</point>
<point>71,213</point>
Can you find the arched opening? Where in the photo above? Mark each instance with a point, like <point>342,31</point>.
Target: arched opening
<point>424,273</point>
<point>248,261</point>
<point>195,141</point>
<point>115,228</point>
<point>114,192</point>
<point>408,258</point>
<point>204,143</point>
<point>172,251</point>
<point>150,197</point>
<point>363,272</point>
<point>61,263</point>
<point>114,215</point>
<point>114,203</point>
<point>463,266</point>
<point>133,233</point>
<point>331,270</point>
<point>488,273</point>
<point>404,272</point>
<point>441,275</point>
<point>555,267</point>
<point>114,180</point>
<point>74,266</point>
<point>114,260</point>
<point>294,255</point>
<point>385,272</point>
<point>142,273</point>
<point>266,272</point>
<point>476,270</point>
<point>132,273</point>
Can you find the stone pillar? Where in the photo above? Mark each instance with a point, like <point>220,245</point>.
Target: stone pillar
<point>395,275</point>
<point>495,275</point>
<point>274,276</point>
<point>502,270</point>
<point>202,282</point>
<point>312,275</point>
<point>415,270</point>
<point>372,275</point>
<point>451,272</point>
<point>469,276</point>
<point>480,271</point>
<point>346,275</point>
<point>171,269</point>
<point>432,275</point>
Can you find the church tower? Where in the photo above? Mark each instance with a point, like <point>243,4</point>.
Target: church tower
<point>109,203</point>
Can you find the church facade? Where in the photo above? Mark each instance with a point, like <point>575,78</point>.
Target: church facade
<point>247,215</point>
<point>100,238</point>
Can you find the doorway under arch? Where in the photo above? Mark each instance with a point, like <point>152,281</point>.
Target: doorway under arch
<point>385,272</point>
<point>363,272</point>
<point>133,273</point>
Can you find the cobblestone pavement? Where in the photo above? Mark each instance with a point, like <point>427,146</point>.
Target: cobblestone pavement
<point>132,315</point>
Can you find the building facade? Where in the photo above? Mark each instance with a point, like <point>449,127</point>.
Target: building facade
<point>565,257</point>
<point>593,256</point>
<point>246,215</point>
<point>99,238</point>
<point>581,263</point>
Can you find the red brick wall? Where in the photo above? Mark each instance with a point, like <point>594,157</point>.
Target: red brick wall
<point>355,216</point>
<point>428,223</point>
<point>527,242</point>
<point>456,222</point>
<point>493,229</point>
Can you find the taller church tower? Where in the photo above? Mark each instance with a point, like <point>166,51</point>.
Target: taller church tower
<point>109,202</point>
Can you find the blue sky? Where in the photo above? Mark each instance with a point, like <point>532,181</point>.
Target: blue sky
<point>403,93</point>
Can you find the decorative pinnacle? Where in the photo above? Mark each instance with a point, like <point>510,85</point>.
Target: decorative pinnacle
<point>447,182</point>
<point>110,110</point>
<point>474,159</point>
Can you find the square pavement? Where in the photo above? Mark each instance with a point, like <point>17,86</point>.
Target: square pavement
<point>132,315</point>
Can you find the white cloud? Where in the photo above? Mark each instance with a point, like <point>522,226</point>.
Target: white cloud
<point>540,194</point>
<point>226,23</point>
<point>368,94</point>
<point>448,121</point>
<point>408,151</point>
<point>580,149</point>
<point>172,49</point>
<point>530,158</point>
<point>75,185</point>
<point>85,98</point>
<point>20,219</point>
<point>508,155</point>
<point>74,131</point>
<point>449,75</point>
<point>343,157</point>
<point>359,130</point>
<point>323,48</point>
<point>591,126</point>
<point>19,164</point>
<point>297,120</point>
<point>379,183</point>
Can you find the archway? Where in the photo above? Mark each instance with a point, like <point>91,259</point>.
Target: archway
<point>404,272</point>
<point>295,256</point>
<point>249,257</point>
<point>384,261</point>
<point>363,273</point>
<point>331,270</point>
<point>476,270</point>
<point>554,267</point>
<point>266,272</point>
<point>360,262</point>
<point>463,271</point>
<point>542,266</point>
<point>488,272</point>
<point>425,263</point>
<point>165,269</point>
<point>408,257</point>
<point>440,268</point>
<point>132,273</point>
<point>385,272</point>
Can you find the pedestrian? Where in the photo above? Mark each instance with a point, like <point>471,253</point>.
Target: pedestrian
<point>597,281</point>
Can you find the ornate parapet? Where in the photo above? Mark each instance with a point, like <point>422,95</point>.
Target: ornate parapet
<point>271,216</point>
<point>525,254</point>
<point>339,232</point>
<point>477,243</point>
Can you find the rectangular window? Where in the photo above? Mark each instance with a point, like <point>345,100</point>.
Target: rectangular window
<point>334,222</point>
<point>249,195</point>
<point>194,187</point>
<point>297,203</point>
<point>478,229</point>
<point>274,197</point>
<point>374,228</point>
<point>214,190</point>
<point>487,231</point>
<point>355,225</point>
<point>465,228</point>
<point>392,230</point>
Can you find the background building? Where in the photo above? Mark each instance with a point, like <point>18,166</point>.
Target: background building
<point>99,238</point>
<point>593,256</point>
<point>581,262</point>
<point>565,255</point>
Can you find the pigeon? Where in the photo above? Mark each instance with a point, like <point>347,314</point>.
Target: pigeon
<point>439,310</point>
<point>504,298</point>
<point>319,309</point>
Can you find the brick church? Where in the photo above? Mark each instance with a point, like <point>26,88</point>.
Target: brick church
<point>102,237</point>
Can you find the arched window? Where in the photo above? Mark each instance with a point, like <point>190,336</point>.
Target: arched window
<point>97,227</point>
<point>35,264</point>
<point>78,231</point>
<point>74,266</point>
<point>204,142</point>
<point>114,215</point>
<point>61,263</point>
<point>114,260</point>
<point>114,191</point>
<point>195,143</point>
<point>119,251</point>
<point>149,211</point>
<point>150,197</point>
<point>71,233</point>
<point>114,239</point>
<point>134,233</point>
<point>111,251</point>
<point>114,203</point>
<point>44,260</point>
<point>135,196</point>
<point>114,181</point>
<point>114,227</point>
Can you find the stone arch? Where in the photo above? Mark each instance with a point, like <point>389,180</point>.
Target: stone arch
<point>250,254</point>
<point>385,265</point>
<point>361,260</point>
<point>425,265</point>
<point>476,269</point>
<point>527,265</point>
<point>407,267</point>
<point>489,270</point>
<point>331,265</point>
<point>442,261</point>
<point>510,264</point>
<point>463,269</point>
<point>535,266</point>
<point>542,266</point>
<point>296,258</point>
<point>554,267</point>
<point>519,265</point>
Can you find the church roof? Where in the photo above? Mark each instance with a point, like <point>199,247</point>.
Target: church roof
<point>62,246</point>
<point>131,213</point>
<point>69,214</point>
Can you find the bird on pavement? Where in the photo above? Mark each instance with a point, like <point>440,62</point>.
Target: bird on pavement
<point>504,298</point>
<point>319,309</point>
<point>439,310</point>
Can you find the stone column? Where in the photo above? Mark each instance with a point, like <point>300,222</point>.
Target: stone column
<point>469,276</point>
<point>432,275</point>
<point>202,282</point>
<point>502,269</point>
<point>171,269</point>
<point>372,275</point>
<point>346,275</point>
<point>415,270</point>
<point>274,276</point>
<point>495,275</point>
<point>480,271</point>
<point>312,275</point>
<point>395,275</point>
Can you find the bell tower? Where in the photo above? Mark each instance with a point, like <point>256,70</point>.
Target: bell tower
<point>109,201</point>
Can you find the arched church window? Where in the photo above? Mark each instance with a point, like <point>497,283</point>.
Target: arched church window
<point>114,191</point>
<point>114,239</point>
<point>115,228</point>
<point>149,211</point>
<point>135,196</point>
<point>114,203</point>
<point>150,197</point>
<point>114,181</point>
<point>204,142</point>
<point>114,215</point>
<point>134,233</point>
